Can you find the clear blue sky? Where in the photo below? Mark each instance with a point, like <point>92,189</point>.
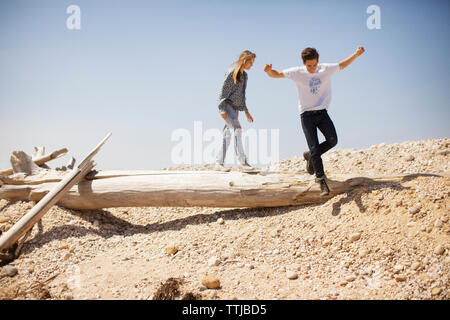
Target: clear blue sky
<point>141,69</point>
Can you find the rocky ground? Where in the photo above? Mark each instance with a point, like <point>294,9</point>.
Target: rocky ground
<point>384,241</point>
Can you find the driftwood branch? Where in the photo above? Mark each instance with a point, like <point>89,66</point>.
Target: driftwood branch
<point>37,159</point>
<point>57,192</point>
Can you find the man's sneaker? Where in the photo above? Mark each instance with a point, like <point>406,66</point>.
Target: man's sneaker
<point>323,187</point>
<point>221,167</point>
<point>309,167</point>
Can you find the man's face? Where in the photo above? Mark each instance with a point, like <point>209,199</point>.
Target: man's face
<point>311,65</point>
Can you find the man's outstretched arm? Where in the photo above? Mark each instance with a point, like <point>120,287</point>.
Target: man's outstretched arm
<point>273,73</point>
<point>346,62</point>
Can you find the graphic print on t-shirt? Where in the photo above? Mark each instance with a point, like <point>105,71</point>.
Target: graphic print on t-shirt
<point>314,85</point>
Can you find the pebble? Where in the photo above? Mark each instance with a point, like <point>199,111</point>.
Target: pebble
<point>409,158</point>
<point>211,282</point>
<point>398,268</point>
<point>220,221</point>
<point>171,250</point>
<point>400,278</point>
<point>415,209</point>
<point>9,271</point>
<point>435,291</point>
<point>363,252</point>
<point>355,236</point>
<point>67,296</point>
<point>415,266</point>
<point>438,223</point>
<point>291,275</point>
<point>350,278</point>
<point>439,249</point>
<point>213,261</point>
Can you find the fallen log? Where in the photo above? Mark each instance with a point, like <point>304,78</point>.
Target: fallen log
<point>56,193</point>
<point>106,189</point>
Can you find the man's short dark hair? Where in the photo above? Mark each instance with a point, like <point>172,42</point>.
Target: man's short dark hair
<point>310,54</point>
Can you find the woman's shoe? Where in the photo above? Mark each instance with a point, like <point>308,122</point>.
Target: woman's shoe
<point>221,167</point>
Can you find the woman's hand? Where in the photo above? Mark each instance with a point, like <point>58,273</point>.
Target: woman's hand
<point>249,117</point>
<point>224,115</point>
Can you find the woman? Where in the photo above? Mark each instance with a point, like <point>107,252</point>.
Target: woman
<point>231,101</point>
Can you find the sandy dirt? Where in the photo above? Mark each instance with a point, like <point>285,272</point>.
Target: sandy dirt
<point>384,241</point>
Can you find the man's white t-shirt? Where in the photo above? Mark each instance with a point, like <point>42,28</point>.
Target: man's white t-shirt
<point>313,89</point>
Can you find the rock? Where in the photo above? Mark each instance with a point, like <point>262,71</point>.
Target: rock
<point>363,252</point>
<point>398,268</point>
<point>400,278</point>
<point>171,250</point>
<point>415,266</point>
<point>67,296</point>
<point>409,158</point>
<point>211,282</point>
<point>291,275</point>
<point>435,291</point>
<point>213,261</point>
<point>350,278</point>
<point>415,209</point>
<point>220,221</point>
<point>438,223</point>
<point>354,236</point>
<point>9,271</point>
<point>439,249</point>
<point>4,219</point>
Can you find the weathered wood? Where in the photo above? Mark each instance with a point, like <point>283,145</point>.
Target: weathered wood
<point>40,160</point>
<point>198,188</point>
<point>39,210</point>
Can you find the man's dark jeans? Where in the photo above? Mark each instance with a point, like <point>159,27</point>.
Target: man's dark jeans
<point>311,120</point>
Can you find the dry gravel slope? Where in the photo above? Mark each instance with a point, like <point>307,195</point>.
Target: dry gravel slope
<point>385,241</point>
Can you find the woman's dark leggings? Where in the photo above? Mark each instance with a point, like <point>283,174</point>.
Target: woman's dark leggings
<point>311,120</point>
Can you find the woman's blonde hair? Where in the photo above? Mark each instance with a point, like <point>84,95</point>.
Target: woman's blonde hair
<point>239,64</point>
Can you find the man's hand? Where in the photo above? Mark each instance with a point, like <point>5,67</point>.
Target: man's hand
<point>249,117</point>
<point>273,73</point>
<point>224,115</point>
<point>267,67</point>
<point>346,62</point>
<point>359,51</point>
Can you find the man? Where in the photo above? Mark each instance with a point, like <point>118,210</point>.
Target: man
<point>314,96</point>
